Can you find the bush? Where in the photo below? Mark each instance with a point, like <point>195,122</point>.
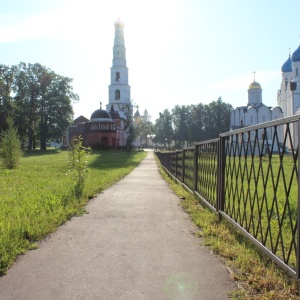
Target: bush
<point>10,146</point>
<point>78,158</point>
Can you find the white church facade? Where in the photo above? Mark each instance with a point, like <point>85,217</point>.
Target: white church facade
<point>255,111</point>
<point>288,101</point>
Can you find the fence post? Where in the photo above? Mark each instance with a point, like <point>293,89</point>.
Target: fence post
<point>183,165</point>
<point>221,175</point>
<point>195,179</point>
<point>176,163</point>
<point>298,215</point>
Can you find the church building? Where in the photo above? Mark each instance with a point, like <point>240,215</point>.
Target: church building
<point>288,101</point>
<point>255,111</point>
<point>106,128</point>
<point>288,97</point>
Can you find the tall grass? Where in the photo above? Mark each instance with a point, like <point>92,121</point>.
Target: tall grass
<point>257,277</point>
<point>261,195</point>
<point>39,195</point>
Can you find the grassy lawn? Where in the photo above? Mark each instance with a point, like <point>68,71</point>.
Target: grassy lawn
<point>256,276</point>
<point>261,195</point>
<point>39,195</point>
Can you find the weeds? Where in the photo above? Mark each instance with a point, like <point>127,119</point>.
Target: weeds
<point>78,159</point>
<point>256,276</point>
<point>10,146</point>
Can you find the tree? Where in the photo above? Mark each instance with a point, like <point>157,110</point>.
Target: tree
<point>127,109</point>
<point>145,127</point>
<point>6,84</point>
<point>197,122</point>
<point>180,117</point>
<point>55,110</point>
<point>193,123</point>
<point>10,146</point>
<point>217,118</point>
<point>43,101</point>
<point>163,128</point>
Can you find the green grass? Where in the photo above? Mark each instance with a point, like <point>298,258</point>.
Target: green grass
<point>39,195</point>
<point>257,277</point>
<point>261,195</point>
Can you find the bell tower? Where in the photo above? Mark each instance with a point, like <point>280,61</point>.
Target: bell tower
<point>119,90</point>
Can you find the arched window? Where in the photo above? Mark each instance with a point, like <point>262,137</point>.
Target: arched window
<point>117,95</point>
<point>118,76</point>
<point>103,127</point>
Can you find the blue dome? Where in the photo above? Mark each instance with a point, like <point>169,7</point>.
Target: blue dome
<point>287,66</point>
<point>296,55</point>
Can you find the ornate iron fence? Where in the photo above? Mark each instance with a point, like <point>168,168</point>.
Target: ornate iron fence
<point>250,177</point>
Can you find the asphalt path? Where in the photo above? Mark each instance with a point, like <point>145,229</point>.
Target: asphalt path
<point>135,243</point>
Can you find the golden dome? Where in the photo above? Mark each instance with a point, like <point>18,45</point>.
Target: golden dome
<point>254,85</point>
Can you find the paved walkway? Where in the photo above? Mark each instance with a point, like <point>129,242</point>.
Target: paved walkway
<point>135,243</point>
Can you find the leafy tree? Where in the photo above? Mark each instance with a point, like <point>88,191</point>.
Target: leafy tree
<point>145,126</point>
<point>193,123</point>
<point>6,85</point>
<point>217,118</point>
<point>10,146</point>
<point>163,128</point>
<point>56,112</point>
<point>21,100</point>
<point>182,124</point>
<point>127,109</point>
<point>43,104</point>
<point>197,122</point>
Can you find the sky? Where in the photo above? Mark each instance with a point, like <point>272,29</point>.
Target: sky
<point>179,52</point>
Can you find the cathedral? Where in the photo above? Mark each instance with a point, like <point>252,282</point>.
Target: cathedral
<point>255,111</point>
<point>107,128</point>
<point>288,99</point>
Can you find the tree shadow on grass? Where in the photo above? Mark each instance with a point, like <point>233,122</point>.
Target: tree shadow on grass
<point>112,159</point>
<point>37,152</point>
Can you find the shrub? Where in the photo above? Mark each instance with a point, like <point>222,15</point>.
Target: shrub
<point>10,146</point>
<point>78,158</point>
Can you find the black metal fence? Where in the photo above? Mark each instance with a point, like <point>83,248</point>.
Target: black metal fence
<point>250,177</point>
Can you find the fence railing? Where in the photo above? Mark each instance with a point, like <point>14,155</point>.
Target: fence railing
<point>250,177</point>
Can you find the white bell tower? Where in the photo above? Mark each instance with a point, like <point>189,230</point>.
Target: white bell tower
<point>119,90</point>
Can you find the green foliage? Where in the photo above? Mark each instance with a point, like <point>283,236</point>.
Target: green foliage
<point>256,276</point>
<point>6,85</point>
<point>10,147</point>
<point>145,127</point>
<point>217,118</point>
<point>38,196</point>
<point>127,109</point>
<point>39,100</point>
<point>163,128</point>
<point>193,123</point>
<point>78,159</point>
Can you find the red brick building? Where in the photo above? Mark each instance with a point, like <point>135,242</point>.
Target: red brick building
<point>103,130</point>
